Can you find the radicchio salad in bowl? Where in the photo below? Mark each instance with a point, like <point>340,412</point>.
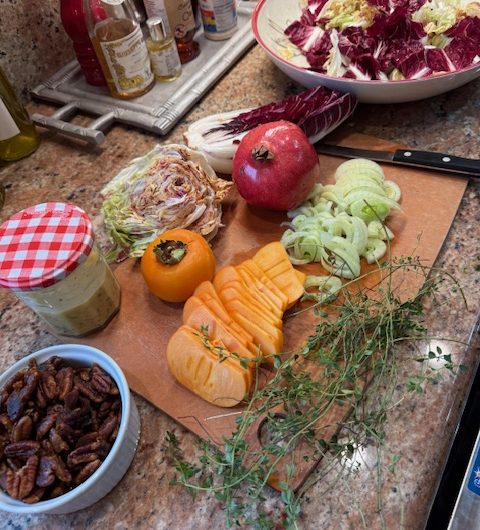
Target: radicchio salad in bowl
<point>383,51</point>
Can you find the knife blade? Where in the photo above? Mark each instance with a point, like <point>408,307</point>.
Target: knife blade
<point>408,157</point>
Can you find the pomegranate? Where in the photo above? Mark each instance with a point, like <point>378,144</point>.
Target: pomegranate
<point>275,166</point>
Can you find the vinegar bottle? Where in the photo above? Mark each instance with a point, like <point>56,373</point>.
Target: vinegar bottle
<point>121,49</point>
<point>18,136</point>
<point>182,24</point>
<point>73,20</point>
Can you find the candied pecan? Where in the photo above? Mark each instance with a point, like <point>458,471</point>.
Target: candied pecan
<point>58,443</point>
<point>12,484</point>
<point>94,421</point>
<point>61,471</point>
<point>56,362</point>
<point>65,431</point>
<point>14,463</point>
<point>104,409</point>
<point>87,470</point>
<point>100,380</point>
<point>15,405</point>
<point>87,439</point>
<point>45,425</point>
<point>71,398</point>
<point>23,449</point>
<point>22,429</point>
<point>84,374</point>
<point>64,380</point>
<point>6,424</point>
<point>114,434</point>
<point>48,385</point>
<point>35,495</point>
<point>108,426</point>
<point>20,483</point>
<point>51,467</point>
<point>58,490</point>
<point>47,447</point>
<point>7,389</point>
<point>46,474</point>
<point>87,453</point>
<point>86,389</point>
<point>3,475</point>
<point>40,398</point>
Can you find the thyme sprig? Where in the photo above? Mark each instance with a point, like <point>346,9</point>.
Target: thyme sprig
<point>346,368</point>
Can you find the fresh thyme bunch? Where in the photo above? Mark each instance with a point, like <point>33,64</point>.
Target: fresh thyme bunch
<point>328,397</point>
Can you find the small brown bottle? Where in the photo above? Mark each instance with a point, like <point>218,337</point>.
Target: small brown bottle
<point>182,24</point>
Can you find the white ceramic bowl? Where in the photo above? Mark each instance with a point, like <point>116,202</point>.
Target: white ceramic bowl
<point>121,454</point>
<point>271,17</point>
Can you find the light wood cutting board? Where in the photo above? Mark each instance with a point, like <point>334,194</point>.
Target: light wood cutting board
<point>138,335</point>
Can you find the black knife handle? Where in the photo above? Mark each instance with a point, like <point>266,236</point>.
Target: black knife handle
<point>456,164</point>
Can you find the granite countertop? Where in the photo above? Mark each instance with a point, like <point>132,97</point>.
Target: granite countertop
<point>420,430</point>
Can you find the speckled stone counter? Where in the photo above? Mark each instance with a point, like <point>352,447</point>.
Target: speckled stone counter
<point>420,429</point>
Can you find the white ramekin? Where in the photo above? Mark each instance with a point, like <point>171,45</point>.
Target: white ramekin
<point>121,454</point>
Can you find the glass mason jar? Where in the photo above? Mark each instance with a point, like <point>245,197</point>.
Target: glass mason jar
<point>51,262</point>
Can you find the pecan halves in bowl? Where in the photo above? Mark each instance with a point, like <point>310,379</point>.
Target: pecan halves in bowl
<point>57,424</point>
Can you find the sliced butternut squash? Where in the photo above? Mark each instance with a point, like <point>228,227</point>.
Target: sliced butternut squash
<point>199,369</point>
<point>202,318</point>
<point>269,345</point>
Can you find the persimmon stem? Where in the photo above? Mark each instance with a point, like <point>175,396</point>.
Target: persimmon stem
<point>170,252</point>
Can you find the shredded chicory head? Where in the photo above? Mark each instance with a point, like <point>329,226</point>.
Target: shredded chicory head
<point>388,39</point>
<point>172,186</point>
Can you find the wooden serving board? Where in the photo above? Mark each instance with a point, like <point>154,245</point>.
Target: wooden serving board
<point>138,335</point>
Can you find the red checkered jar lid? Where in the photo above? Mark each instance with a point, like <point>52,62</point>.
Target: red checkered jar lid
<point>42,245</point>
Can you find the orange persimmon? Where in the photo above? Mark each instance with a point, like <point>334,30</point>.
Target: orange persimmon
<point>175,263</point>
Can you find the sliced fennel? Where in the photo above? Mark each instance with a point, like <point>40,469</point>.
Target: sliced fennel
<point>339,224</point>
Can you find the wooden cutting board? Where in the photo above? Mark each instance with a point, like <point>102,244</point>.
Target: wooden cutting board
<point>138,335</point>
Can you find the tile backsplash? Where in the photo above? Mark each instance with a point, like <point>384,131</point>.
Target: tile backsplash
<point>33,43</point>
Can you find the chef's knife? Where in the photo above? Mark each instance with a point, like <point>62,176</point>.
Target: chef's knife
<point>407,157</point>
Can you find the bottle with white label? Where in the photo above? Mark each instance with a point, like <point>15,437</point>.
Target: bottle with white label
<point>18,136</point>
<point>163,52</point>
<point>219,18</point>
<point>120,46</point>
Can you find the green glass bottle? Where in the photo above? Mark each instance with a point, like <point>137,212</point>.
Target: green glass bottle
<point>18,136</point>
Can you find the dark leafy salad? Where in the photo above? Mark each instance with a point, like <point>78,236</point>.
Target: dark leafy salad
<point>388,39</point>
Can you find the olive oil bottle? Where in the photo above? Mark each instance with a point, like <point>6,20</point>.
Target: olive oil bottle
<point>120,47</point>
<point>18,136</point>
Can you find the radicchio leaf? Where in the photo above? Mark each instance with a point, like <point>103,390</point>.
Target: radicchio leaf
<point>461,51</point>
<point>438,61</point>
<point>316,111</point>
<point>307,38</point>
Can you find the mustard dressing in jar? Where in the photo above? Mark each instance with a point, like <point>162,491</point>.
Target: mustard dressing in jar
<point>49,259</point>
